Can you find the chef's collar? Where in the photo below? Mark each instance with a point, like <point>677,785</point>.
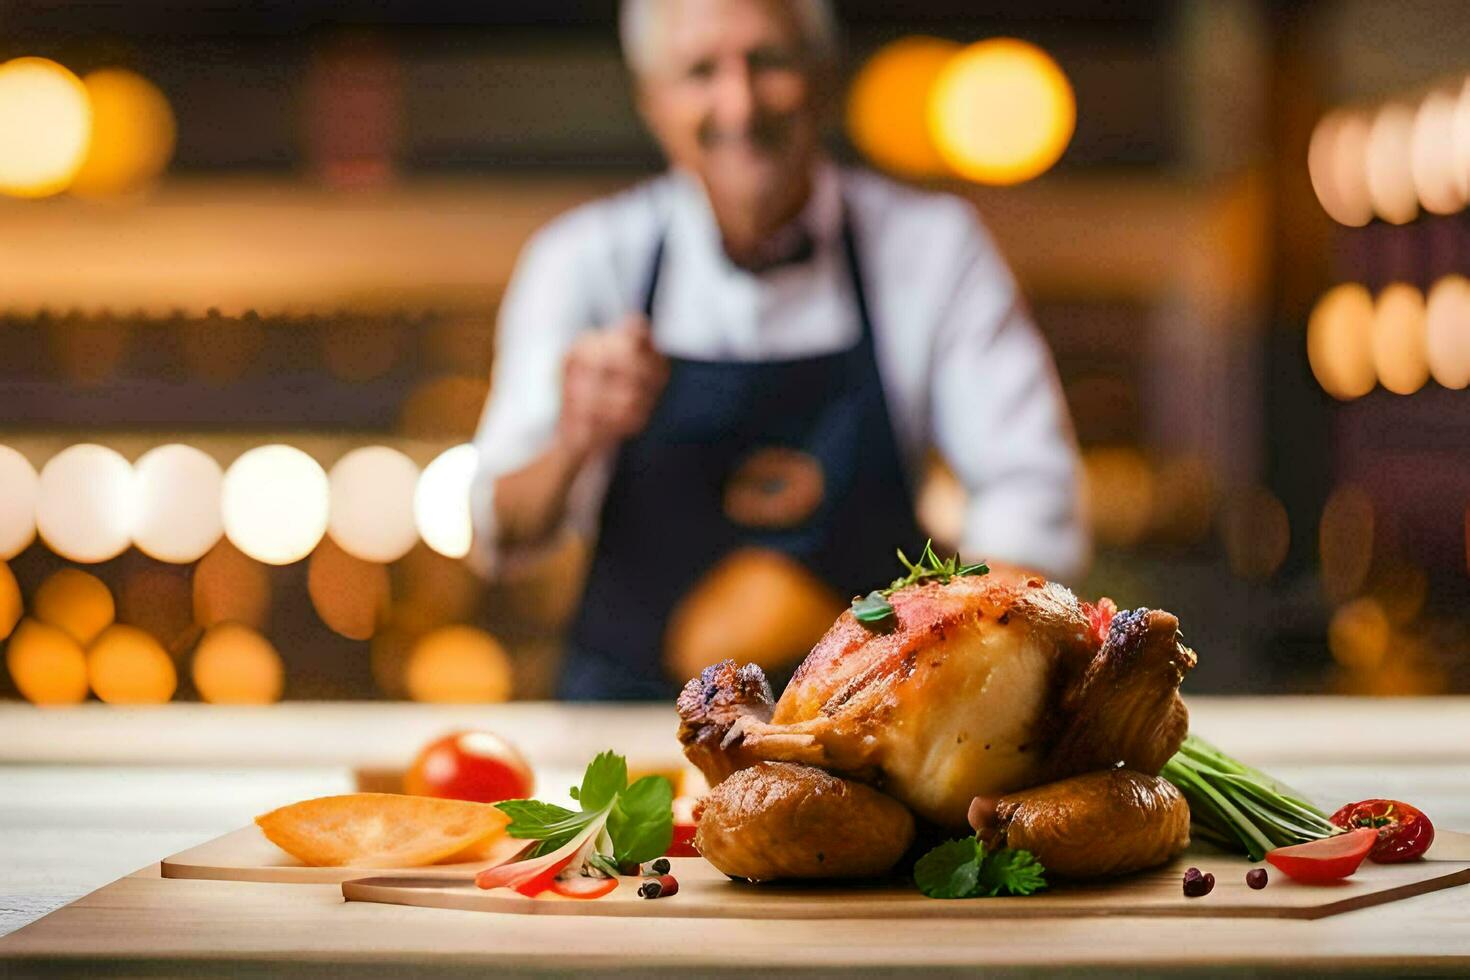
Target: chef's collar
<point>818,223</point>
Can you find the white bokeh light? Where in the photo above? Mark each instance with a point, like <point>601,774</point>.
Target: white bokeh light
<point>441,503</point>
<point>372,511</point>
<point>177,494</point>
<point>274,502</point>
<point>17,503</point>
<point>84,503</point>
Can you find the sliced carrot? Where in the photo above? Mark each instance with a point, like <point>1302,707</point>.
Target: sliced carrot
<point>380,830</point>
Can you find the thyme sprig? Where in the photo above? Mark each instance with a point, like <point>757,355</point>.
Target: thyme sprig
<point>876,612</point>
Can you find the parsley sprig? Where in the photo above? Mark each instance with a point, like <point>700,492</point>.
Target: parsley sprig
<point>966,868</point>
<point>636,821</point>
<point>876,612</point>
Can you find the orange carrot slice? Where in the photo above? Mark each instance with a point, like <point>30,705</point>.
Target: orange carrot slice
<point>380,830</point>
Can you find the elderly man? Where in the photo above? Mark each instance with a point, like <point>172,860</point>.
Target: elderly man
<point>758,349</point>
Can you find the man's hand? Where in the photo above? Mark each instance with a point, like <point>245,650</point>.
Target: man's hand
<point>610,383</point>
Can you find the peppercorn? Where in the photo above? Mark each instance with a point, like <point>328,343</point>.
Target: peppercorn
<point>630,869</point>
<point>1196,884</point>
<point>661,866</point>
<point>1256,878</point>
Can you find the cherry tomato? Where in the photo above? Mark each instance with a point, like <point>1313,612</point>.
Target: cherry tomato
<point>474,766</point>
<point>685,825</point>
<point>1324,860</point>
<point>1404,833</point>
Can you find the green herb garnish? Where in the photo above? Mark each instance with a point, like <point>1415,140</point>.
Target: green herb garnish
<point>966,868</point>
<point>876,612</point>
<point>635,823</point>
<point>1238,808</point>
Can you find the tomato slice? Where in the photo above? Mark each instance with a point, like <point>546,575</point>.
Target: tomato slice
<point>1404,832</point>
<point>583,886</point>
<point>1324,860</point>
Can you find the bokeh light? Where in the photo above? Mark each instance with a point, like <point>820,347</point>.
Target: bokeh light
<point>458,665</point>
<point>1432,154</point>
<point>76,602</point>
<point>233,664</point>
<point>1335,163</point>
<point>1120,494</point>
<point>371,513</point>
<point>132,138</point>
<point>17,503</point>
<point>1447,331</point>
<point>230,586</point>
<point>1002,111</point>
<point>158,599</point>
<point>446,407</point>
<point>1461,141</point>
<point>177,496</point>
<point>1345,541</point>
<point>46,665</point>
<point>12,605</point>
<point>1388,166</point>
<point>888,106</point>
<point>1256,532</point>
<point>125,665</point>
<point>84,503</point>
<point>1399,341</point>
<point>1340,341</point>
<point>1358,634</point>
<point>441,502</point>
<point>941,503</point>
<point>350,595</point>
<point>45,126</point>
<point>275,501</point>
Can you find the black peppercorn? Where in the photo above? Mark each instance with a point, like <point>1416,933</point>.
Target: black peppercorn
<point>1196,884</point>
<point>661,866</point>
<point>1256,878</point>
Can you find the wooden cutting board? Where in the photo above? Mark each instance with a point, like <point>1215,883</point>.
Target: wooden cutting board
<point>706,893</point>
<point>246,855</point>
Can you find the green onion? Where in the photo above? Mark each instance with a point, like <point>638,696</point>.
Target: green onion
<point>1238,808</point>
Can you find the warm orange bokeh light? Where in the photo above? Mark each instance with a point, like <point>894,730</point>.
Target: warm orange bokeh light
<point>888,106</point>
<point>1399,341</point>
<point>230,586</point>
<point>1002,112</point>
<point>1447,331</point>
<point>458,664</point>
<point>45,126</point>
<point>46,664</point>
<point>78,603</point>
<point>1340,341</point>
<point>1257,533</point>
<point>350,595</point>
<point>12,606</point>
<point>1358,634</point>
<point>1336,165</point>
<point>133,134</point>
<point>125,665</point>
<point>236,665</point>
<point>1389,169</point>
<point>1345,541</point>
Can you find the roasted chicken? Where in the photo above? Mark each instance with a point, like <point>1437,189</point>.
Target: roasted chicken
<point>975,688</point>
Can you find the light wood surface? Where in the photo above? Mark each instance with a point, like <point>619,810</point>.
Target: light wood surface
<point>150,785</point>
<point>705,893</point>
<point>246,855</point>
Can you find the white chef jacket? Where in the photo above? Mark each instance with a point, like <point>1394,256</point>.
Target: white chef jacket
<point>963,368</point>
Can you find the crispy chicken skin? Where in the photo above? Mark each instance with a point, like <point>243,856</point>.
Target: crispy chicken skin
<point>981,687</point>
<point>1091,826</point>
<point>781,820</point>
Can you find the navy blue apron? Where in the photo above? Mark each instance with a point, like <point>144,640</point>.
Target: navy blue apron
<point>664,525</point>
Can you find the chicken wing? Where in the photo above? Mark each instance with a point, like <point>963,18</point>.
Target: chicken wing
<point>780,820</point>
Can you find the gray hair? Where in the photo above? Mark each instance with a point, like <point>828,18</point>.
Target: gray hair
<point>638,25</point>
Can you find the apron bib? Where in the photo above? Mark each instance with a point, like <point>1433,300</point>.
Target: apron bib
<point>664,520</point>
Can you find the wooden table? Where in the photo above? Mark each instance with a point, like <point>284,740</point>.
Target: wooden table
<point>83,789</point>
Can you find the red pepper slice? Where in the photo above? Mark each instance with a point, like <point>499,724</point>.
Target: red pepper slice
<point>583,886</point>
<point>1324,860</point>
<point>1404,832</point>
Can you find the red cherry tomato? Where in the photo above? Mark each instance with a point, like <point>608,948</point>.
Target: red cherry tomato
<point>1324,860</point>
<point>1404,833</point>
<point>685,825</point>
<point>474,766</point>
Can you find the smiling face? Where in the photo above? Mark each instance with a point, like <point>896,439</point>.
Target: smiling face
<point>731,94</point>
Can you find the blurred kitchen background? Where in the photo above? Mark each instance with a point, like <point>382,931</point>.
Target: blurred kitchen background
<point>251,254</point>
